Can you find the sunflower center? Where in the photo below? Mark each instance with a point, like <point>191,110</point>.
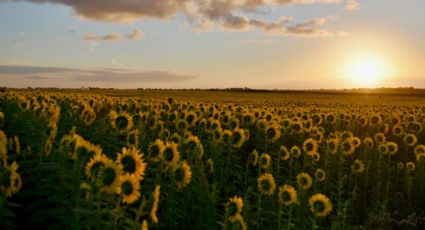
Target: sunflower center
<point>179,173</point>
<point>129,164</point>
<point>319,206</point>
<point>265,184</point>
<point>109,176</point>
<point>168,154</point>
<point>232,209</point>
<point>286,196</point>
<point>236,137</point>
<point>127,188</point>
<point>121,122</point>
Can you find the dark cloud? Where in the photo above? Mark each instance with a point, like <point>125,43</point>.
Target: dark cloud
<point>92,75</point>
<point>228,14</point>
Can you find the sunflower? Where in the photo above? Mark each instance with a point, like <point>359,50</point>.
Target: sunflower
<point>129,188</point>
<point>419,149</point>
<point>182,125</point>
<point>410,139</point>
<point>392,147</point>
<point>170,156</point>
<point>358,166</point>
<point>398,131</point>
<point>266,184</point>
<point>310,146</point>
<point>347,148</point>
<point>284,153</point>
<point>182,175</point>
<point>10,180</point>
<point>330,118</point>
<point>96,163</point>
<point>193,145</point>
<point>234,207</point>
<point>121,121</point>
<point>272,133</point>
<point>48,147</point>
<point>304,181</point>
<point>410,166</point>
<point>332,145</point>
<point>356,142</point>
<point>380,137</point>
<point>287,195</point>
<point>155,195</point>
<point>400,165</point>
<point>315,156</point>
<point>295,151</point>
<point>368,142</point>
<point>133,138</point>
<point>131,162</point>
<point>237,223</point>
<point>420,157</point>
<point>320,175</point>
<point>253,157</point>
<point>383,148</point>
<point>265,161</point>
<point>238,137</point>
<point>320,205</point>
<point>375,119</point>
<point>110,177</point>
<point>156,150</point>
<point>210,164</point>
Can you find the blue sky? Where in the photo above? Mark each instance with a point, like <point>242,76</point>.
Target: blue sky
<point>195,43</point>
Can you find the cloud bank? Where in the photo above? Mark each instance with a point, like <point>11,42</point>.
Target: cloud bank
<point>202,14</point>
<point>74,77</point>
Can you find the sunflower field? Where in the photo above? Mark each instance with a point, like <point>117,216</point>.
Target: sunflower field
<point>81,160</point>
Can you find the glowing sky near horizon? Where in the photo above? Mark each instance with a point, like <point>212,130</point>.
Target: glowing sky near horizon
<point>283,44</point>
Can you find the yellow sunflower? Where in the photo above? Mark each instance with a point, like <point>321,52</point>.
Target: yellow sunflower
<point>121,121</point>
<point>238,137</point>
<point>170,156</point>
<point>392,147</point>
<point>287,195</point>
<point>156,150</point>
<point>410,139</point>
<point>310,146</point>
<point>10,180</point>
<point>110,177</point>
<point>410,166</point>
<point>266,184</point>
<point>265,161</point>
<point>131,162</point>
<point>234,207</point>
<point>320,205</point>
<point>358,166</point>
<point>368,142</point>
<point>155,195</point>
<point>182,175</point>
<point>284,153</point>
<point>320,175</point>
<point>129,188</point>
<point>253,157</point>
<point>332,145</point>
<point>304,181</point>
<point>96,163</point>
<point>295,151</point>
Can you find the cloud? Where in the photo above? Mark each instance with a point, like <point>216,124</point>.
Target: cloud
<point>71,30</point>
<point>93,76</point>
<point>112,37</point>
<point>352,5</point>
<point>237,15</point>
<point>257,42</point>
<point>136,35</point>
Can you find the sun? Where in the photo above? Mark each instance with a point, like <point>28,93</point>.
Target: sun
<point>367,70</point>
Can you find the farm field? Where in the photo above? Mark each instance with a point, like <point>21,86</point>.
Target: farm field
<point>163,159</point>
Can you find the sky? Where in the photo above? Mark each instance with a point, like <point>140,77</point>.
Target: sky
<point>265,44</point>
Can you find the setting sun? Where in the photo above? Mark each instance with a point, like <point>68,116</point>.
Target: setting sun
<point>367,70</point>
